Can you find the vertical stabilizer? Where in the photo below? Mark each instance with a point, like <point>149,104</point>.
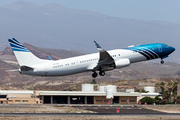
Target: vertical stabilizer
<point>23,55</point>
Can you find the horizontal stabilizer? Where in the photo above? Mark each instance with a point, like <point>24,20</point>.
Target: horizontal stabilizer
<point>26,68</point>
<point>12,70</point>
<point>49,58</point>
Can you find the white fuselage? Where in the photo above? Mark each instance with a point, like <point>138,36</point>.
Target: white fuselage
<point>102,61</point>
<point>80,64</point>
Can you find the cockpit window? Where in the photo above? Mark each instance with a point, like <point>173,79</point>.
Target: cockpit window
<point>166,46</point>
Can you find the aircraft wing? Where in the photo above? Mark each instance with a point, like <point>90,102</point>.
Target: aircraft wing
<point>105,59</point>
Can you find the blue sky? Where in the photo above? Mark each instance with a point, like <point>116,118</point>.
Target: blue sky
<point>163,10</point>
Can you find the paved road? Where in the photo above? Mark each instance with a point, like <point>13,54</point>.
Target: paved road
<point>89,114</point>
<point>105,111</point>
<point>121,109</point>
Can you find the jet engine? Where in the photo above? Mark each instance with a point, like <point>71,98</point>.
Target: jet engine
<point>122,63</point>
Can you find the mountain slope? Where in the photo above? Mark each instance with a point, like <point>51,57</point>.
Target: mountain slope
<point>42,53</point>
<point>54,26</point>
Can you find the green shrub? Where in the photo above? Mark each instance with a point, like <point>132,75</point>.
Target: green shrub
<point>157,100</point>
<point>160,102</point>
<point>148,100</point>
<point>169,102</point>
<point>137,90</point>
<point>178,101</point>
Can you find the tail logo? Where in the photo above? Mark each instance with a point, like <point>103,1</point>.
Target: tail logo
<point>16,46</point>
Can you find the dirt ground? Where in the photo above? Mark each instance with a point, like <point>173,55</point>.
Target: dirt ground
<point>40,109</point>
<point>90,118</point>
<point>164,108</point>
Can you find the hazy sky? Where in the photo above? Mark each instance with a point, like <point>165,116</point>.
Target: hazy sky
<point>165,10</point>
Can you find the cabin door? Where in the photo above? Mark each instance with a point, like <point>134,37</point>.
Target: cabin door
<point>160,48</point>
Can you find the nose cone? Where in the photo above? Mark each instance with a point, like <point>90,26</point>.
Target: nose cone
<point>172,49</point>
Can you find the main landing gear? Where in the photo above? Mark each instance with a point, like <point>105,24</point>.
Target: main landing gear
<point>102,73</point>
<point>94,75</point>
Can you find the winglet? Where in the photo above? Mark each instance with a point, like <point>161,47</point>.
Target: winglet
<point>97,45</point>
<point>104,55</point>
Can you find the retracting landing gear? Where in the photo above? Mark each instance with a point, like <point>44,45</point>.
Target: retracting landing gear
<point>162,61</point>
<point>94,75</point>
<point>102,73</point>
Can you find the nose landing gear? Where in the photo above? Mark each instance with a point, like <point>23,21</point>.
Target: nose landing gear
<point>162,61</point>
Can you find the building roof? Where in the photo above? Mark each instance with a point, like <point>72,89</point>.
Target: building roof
<point>80,93</point>
<point>150,94</point>
<point>70,93</point>
<point>15,92</point>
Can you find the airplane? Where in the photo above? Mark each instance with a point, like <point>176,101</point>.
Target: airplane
<point>102,61</point>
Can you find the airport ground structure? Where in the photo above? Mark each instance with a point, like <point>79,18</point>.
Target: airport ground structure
<point>105,95</point>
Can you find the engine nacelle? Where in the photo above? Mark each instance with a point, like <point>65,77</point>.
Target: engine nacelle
<point>122,63</point>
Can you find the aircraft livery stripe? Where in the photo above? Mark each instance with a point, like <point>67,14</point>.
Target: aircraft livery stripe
<point>147,57</point>
<point>15,40</point>
<point>143,52</point>
<point>152,57</point>
<point>152,52</point>
<point>16,49</point>
<point>148,52</point>
<point>16,46</point>
<point>11,41</point>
